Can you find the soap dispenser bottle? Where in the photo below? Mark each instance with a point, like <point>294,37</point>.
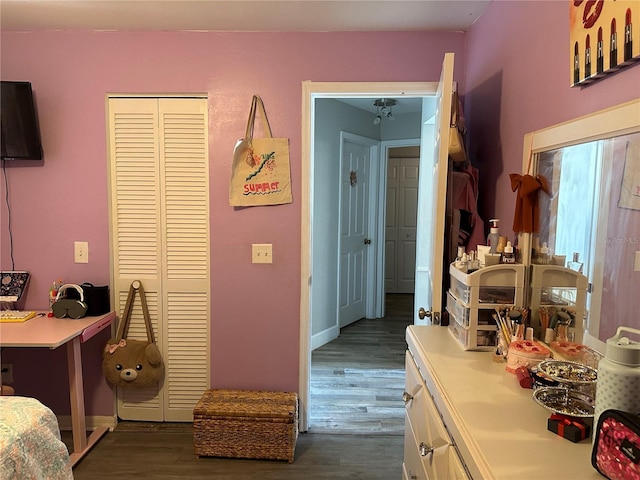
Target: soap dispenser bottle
<point>494,235</point>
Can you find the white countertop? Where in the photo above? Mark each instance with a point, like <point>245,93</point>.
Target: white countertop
<point>500,430</point>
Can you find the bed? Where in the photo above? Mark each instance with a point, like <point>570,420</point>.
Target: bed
<point>30,445</point>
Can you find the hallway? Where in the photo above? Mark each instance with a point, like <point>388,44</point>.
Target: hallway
<point>357,380</point>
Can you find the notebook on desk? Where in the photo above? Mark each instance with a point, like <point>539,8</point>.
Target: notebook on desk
<point>13,284</point>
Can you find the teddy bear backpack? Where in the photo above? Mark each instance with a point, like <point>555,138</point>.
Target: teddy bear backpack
<point>133,363</point>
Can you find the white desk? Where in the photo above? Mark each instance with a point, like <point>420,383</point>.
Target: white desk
<point>51,332</point>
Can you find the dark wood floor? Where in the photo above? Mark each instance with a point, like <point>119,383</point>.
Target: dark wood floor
<point>357,380</point>
<point>364,375</point>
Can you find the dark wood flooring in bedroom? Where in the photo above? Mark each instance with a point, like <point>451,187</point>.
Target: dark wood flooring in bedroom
<point>356,420</point>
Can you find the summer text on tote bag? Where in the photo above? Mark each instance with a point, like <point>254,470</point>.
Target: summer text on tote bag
<point>260,174</point>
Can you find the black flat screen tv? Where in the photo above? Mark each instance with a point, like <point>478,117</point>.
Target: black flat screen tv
<point>20,134</point>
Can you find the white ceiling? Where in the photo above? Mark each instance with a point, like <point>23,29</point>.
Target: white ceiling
<point>240,15</point>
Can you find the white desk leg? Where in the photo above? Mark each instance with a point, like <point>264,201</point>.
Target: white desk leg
<point>81,443</point>
<point>76,392</point>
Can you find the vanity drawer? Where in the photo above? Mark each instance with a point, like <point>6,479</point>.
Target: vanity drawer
<point>456,308</point>
<point>427,442</point>
<point>456,467</point>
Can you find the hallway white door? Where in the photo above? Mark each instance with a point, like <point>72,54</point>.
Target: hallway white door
<point>355,188</point>
<point>400,236</point>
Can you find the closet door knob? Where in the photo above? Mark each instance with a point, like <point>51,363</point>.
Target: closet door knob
<point>406,397</point>
<point>422,313</point>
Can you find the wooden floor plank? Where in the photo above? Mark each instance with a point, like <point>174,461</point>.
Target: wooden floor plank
<point>356,420</point>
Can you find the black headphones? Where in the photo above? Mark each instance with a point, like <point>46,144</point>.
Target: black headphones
<point>69,307</point>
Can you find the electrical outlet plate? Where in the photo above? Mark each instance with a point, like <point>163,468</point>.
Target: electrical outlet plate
<point>261,253</point>
<point>81,252</point>
<point>7,374</point>
<point>636,266</point>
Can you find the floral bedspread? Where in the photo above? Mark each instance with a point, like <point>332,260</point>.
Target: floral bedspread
<point>30,445</point>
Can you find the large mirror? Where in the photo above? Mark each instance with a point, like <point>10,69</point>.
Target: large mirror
<point>590,212</point>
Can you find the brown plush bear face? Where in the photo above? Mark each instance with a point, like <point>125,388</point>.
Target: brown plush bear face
<point>132,363</point>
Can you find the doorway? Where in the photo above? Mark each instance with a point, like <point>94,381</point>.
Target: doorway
<point>318,293</point>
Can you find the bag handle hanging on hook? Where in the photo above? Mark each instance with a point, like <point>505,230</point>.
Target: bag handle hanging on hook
<point>135,288</point>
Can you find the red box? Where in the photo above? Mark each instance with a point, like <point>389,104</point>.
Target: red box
<point>571,428</point>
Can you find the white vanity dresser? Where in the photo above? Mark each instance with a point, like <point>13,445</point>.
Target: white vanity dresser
<point>477,419</point>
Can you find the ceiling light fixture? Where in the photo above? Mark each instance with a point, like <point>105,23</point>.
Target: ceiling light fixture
<point>384,109</point>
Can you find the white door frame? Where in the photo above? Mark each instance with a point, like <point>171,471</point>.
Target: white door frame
<point>385,146</point>
<point>310,92</point>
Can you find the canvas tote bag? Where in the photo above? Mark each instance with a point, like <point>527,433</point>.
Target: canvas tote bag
<point>261,173</point>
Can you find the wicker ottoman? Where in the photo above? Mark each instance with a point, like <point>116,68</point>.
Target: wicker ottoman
<point>246,424</point>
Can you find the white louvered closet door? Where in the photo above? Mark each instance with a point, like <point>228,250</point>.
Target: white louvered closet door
<point>159,200</point>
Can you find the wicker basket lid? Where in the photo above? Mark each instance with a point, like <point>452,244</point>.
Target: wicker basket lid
<point>247,404</point>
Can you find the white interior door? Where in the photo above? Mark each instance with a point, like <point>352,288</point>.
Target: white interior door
<point>159,201</point>
<point>355,239</point>
<point>432,202</point>
<point>402,201</point>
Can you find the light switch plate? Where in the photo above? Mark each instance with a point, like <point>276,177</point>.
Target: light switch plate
<point>261,253</point>
<point>81,252</point>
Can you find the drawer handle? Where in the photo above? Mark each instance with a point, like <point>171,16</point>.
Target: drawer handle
<point>406,397</point>
<point>425,450</point>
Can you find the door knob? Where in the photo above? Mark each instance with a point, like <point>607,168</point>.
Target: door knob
<point>367,241</point>
<point>422,313</point>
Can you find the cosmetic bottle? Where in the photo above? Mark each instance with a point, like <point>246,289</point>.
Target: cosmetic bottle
<point>473,264</point>
<point>502,243</point>
<point>544,258</point>
<point>562,327</point>
<point>518,325</point>
<point>494,235</point>
<point>508,256</point>
<point>458,261</point>
<point>575,264</point>
<point>464,263</point>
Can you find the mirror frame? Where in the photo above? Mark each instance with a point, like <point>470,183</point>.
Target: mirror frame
<point>615,121</point>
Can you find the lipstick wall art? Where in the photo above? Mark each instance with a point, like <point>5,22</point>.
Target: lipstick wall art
<point>604,37</point>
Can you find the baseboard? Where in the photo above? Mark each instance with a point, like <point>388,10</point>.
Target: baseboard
<point>324,337</point>
<point>92,422</point>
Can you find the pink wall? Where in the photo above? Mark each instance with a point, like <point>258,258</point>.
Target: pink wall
<point>517,81</point>
<point>255,309</point>
<point>512,67</point>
